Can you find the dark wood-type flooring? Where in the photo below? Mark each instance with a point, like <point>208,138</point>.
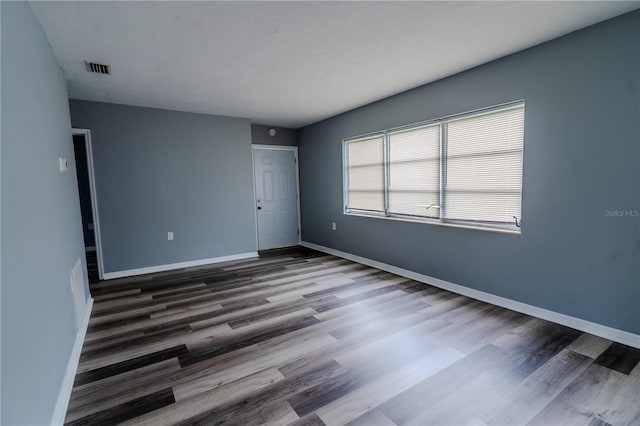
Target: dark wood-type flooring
<point>298,337</point>
<point>92,266</point>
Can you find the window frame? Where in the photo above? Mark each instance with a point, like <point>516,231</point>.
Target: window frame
<point>441,220</point>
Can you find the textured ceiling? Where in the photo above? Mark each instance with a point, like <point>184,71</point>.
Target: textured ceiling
<point>290,63</point>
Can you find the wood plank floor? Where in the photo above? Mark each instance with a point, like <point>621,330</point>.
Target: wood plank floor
<point>298,337</point>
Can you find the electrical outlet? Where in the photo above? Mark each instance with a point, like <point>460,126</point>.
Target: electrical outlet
<point>333,226</point>
<point>170,236</point>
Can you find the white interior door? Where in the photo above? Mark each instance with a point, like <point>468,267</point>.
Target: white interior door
<point>275,172</point>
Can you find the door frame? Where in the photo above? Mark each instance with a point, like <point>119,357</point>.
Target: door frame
<point>255,196</point>
<point>94,199</point>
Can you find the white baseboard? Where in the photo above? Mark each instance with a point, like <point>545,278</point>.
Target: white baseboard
<point>180,265</point>
<point>610,333</point>
<point>60,410</point>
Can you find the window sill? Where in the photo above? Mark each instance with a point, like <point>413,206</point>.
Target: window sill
<point>464,225</point>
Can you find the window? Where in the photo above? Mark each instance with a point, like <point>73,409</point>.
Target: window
<point>465,169</point>
<point>366,174</point>
<point>414,171</point>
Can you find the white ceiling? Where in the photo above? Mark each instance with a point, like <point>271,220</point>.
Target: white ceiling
<point>290,63</point>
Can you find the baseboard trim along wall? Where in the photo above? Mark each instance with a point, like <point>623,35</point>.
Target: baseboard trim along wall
<point>180,265</point>
<point>60,410</point>
<point>610,333</point>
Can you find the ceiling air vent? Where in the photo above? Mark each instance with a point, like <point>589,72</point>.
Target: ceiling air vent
<point>98,68</point>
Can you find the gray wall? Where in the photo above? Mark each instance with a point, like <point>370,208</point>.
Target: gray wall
<point>582,157</point>
<point>159,171</point>
<point>41,224</point>
<point>284,136</point>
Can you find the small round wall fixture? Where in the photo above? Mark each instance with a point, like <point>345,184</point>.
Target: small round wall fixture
<point>272,132</point>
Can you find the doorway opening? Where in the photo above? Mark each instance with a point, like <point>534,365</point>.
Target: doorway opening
<point>88,203</point>
<point>277,200</point>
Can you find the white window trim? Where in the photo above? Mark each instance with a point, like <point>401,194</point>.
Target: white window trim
<point>441,221</point>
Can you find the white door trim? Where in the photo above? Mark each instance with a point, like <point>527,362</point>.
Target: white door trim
<point>255,197</point>
<point>94,198</point>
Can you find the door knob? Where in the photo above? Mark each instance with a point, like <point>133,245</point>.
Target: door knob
<point>259,208</point>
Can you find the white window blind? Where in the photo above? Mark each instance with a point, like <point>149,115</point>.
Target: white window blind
<point>483,180</point>
<point>414,172</point>
<point>464,169</point>
<point>365,180</point>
